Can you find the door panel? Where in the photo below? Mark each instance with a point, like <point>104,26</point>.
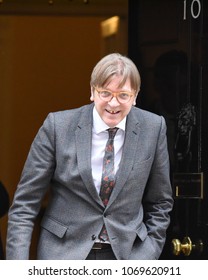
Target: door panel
<point>168,40</point>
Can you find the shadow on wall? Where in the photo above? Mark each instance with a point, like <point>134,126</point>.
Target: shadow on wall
<point>4,207</point>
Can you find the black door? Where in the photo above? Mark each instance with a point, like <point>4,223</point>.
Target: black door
<point>168,40</point>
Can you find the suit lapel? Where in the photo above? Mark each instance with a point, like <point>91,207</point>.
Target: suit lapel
<point>83,142</point>
<point>128,156</point>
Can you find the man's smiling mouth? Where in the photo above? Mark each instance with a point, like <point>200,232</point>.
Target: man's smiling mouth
<point>112,112</point>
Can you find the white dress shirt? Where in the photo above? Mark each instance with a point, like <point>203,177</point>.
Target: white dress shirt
<point>99,140</point>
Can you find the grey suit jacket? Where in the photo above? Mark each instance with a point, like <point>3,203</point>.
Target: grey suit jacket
<point>137,214</point>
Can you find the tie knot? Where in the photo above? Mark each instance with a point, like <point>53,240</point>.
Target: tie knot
<point>112,132</point>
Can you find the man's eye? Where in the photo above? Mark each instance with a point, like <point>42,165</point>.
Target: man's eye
<point>124,95</point>
<point>105,93</point>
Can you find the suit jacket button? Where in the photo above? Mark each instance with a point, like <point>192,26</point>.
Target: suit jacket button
<point>93,237</point>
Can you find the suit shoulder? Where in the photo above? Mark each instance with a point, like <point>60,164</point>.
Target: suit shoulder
<point>70,112</point>
<point>66,118</point>
<point>151,121</point>
<point>147,115</point>
<point>68,115</point>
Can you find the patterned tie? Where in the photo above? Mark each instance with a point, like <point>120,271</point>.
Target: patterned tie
<point>108,175</point>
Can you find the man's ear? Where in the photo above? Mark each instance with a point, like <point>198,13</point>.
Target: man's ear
<point>134,103</point>
<point>92,94</point>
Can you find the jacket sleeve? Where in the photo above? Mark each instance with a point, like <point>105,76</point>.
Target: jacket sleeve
<point>37,173</point>
<point>158,201</point>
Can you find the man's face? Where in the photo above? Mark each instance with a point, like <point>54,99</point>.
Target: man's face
<point>112,112</point>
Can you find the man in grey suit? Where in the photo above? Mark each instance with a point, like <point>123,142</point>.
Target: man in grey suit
<point>67,155</point>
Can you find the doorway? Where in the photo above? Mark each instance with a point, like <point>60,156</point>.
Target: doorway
<point>168,40</point>
<point>47,52</point>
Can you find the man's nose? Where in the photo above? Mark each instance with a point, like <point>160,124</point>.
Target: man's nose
<point>113,102</point>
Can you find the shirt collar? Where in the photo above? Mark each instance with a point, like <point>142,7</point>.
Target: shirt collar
<point>99,125</point>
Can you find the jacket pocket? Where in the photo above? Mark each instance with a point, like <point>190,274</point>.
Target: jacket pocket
<point>54,227</point>
<point>141,169</point>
